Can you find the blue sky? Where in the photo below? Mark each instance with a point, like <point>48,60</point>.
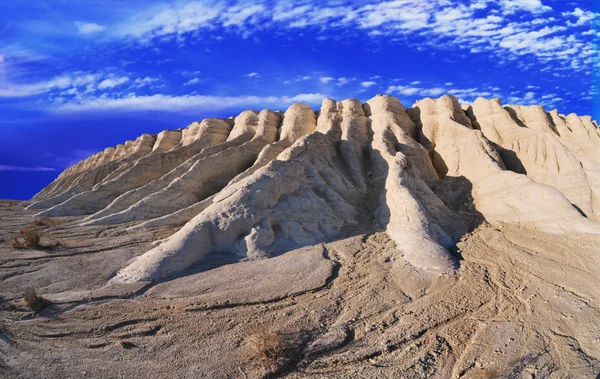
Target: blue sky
<point>78,76</point>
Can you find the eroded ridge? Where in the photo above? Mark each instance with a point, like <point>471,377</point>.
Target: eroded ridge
<point>264,183</point>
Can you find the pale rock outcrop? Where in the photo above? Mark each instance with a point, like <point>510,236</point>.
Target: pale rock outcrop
<point>190,133</point>
<point>298,120</point>
<point>141,172</point>
<point>88,179</point>
<point>498,194</point>
<point>260,184</point>
<point>64,180</point>
<point>208,145</point>
<point>166,140</point>
<point>295,200</point>
<point>207,175</point>
<point>535,148</point>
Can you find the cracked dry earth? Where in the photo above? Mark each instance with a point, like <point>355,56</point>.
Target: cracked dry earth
<point>524,304</point>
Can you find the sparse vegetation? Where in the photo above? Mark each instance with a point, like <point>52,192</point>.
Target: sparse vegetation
<point>35,302</point>
<point>45,221</point>
<point>29,237</point>
<point>267,349</point>
<point>488,374</point>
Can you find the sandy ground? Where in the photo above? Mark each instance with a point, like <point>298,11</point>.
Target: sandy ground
<point>523,305</point>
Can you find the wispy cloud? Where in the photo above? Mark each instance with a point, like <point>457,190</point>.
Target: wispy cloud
<point>112,82</point>
<point>367,84</point>
<point>583,17</point>
<point>88,27</point>
<point>458,24</point>
<point>146,81</point>
<point>192,82</point>
<point>169,103</point>
<point>533,6</point>
<point>73,80</point>
<point>252,75</point>
<point>70,84</point>
<point>409,90</point>
<point>24,169</point>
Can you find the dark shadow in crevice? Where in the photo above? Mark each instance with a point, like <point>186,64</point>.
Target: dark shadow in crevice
<point>436,160</point>
<point>510,159</point>
<point>579,210</point>
<point>471,116</point>
<point>456,192</point>
<point>513,115</point>
<point>552,124</point>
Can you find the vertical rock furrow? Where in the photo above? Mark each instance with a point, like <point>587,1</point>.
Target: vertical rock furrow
<point>407,207</point>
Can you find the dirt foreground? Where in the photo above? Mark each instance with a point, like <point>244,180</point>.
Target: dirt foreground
<point>524,304</point>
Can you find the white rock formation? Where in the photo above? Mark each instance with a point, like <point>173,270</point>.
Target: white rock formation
<point>263,183</point>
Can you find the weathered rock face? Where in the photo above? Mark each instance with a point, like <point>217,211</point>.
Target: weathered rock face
<point>263,183</point>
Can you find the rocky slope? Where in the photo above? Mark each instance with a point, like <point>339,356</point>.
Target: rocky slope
<point>264,183</point>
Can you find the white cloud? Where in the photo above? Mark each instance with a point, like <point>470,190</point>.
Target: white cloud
<point>404,90</point>
<point>407,15</point>
<point>367,84</point>
<point>238,15</point>
<point>438,91</point>
<point>583,17</point>
<point>478,4</point>
<point>533,6</point>
<point>444,24</point>
<point>192,82</point>
<point>415,83</point>
<point>411,91</point>
<point>298,79</point>
<point>88,27</point>
<point>326,79</point>
<point>252,75</point>
<point>21,168</point>
<point>190,73</point>
<point>77,79</point>
<point>171,19</point>
<point>343,80</point>
<point>142,82</point>
<point>112,82</point>
<point>182,103</point>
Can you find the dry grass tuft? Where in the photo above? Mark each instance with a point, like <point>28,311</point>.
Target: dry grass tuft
<point>45,221</point>
<point>267,350</point>
<point>29,237</point>
<point>35,302</point>
<point>488,374</point>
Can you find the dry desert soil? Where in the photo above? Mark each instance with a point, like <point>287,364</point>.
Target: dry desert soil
<point>523,304</point>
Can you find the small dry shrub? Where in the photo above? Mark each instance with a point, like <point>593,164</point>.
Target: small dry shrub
<point>35,302</point>
<point>267,350</point>
<point>30,236</point>
<point>45,221</point>
<point>488,374</point>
